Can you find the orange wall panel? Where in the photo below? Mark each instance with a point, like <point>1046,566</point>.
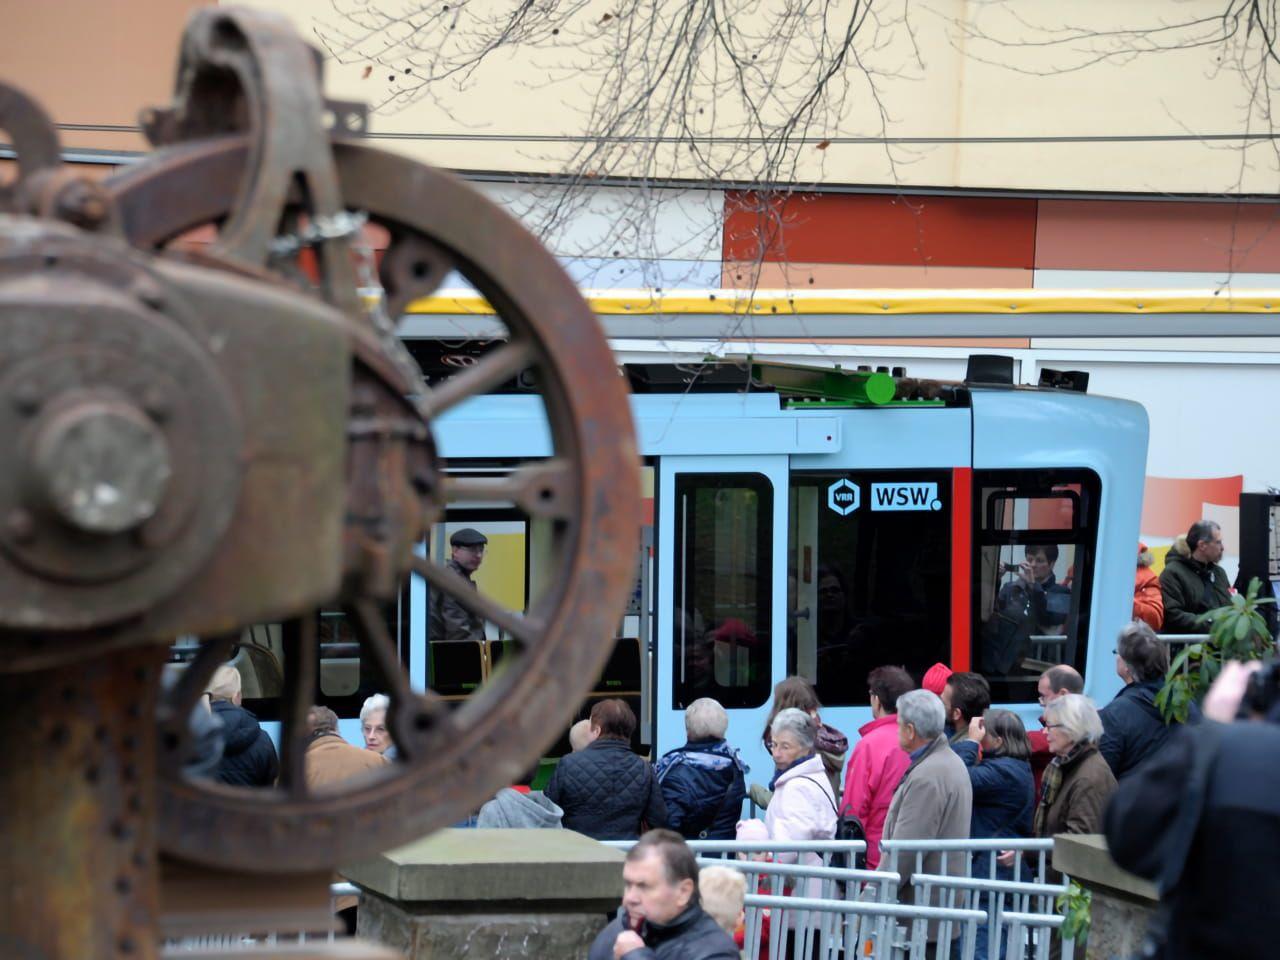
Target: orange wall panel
<point>861,276</point>
<point>1158,235</point>
<point>881,229</point>
<point>95,61</point>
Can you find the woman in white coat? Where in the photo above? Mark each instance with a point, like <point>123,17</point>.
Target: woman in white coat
<point>803,805</point>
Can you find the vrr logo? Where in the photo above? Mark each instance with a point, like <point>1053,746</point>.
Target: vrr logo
<point>844,497</point>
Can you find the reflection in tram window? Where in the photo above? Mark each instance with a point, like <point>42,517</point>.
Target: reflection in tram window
<point>1034,570</point>
<point>723,558</point>
<point>869,576</point>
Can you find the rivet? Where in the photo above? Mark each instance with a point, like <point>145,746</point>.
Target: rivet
<point>156,403</point>
<point>151,298</point>
<point>26,397</point>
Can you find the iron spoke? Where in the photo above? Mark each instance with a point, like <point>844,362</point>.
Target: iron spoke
<point>493,369</point>
<point>526,630</point>
<point>541,490</point>
<point>175,706</point>
<point>301,656</point>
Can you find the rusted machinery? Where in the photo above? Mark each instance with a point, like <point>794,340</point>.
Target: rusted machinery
<point>196,441</point>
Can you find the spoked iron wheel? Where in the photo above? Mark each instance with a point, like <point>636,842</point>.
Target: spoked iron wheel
<point>451,760</point>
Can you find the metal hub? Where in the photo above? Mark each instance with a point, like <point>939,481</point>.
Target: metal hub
<point>102,464</point>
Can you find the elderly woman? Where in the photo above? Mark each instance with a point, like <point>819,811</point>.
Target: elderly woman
<point>373,724</point>
<point>803,805</point>
<point>831,745</point>
<point>702,782</point>
<point>1077,783</point>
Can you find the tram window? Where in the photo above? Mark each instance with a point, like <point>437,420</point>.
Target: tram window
<point>723,588</point>
<point>347,673</point>
<point>869,576</point>
<point>1033,575</point>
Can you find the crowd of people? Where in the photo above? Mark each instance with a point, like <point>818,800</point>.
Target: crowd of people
<point>935,762</point>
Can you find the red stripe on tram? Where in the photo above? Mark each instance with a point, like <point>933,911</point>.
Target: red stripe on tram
<point>961,566</point>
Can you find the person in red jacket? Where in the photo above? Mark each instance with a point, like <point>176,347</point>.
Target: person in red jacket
<point>1148,603</point>
<point>1053,683</point>
<point>878,762</point>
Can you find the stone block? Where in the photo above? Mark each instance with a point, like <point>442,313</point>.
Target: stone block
<point>1085,858</point>
<point>1122,904</point>
<point>489,893</point>
<point>496,866</point>
<point>425,935</point>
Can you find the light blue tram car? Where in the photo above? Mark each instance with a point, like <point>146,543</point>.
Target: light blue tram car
<point>822,523</point>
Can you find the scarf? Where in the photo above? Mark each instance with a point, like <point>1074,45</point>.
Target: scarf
<point>781,770</point>
<point>1051,784</point>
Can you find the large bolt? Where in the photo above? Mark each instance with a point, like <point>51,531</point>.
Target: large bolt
<point>82,203</point>
<point>102,466</point>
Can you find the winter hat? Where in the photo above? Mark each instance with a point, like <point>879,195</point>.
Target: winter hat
<point>1145,558</point>
<point>752,830</point>
<point>935,678</point>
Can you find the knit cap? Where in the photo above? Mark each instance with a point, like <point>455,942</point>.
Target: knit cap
<point>935,678</point>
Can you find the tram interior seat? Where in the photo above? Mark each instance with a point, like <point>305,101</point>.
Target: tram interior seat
<point>259,655</point>
<point>455,669</point>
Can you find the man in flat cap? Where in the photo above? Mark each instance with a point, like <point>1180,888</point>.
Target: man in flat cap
<point>450,620</point>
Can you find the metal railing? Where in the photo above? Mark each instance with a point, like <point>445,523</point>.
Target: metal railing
<point>858,912</point>
<point>882,944</point>
<point>1028,892</point>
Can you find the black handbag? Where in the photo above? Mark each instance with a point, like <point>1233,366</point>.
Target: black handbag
<point>848,827</point>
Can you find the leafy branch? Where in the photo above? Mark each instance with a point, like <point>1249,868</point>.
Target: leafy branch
<point>1237,631</point>
<point>1076,906</point>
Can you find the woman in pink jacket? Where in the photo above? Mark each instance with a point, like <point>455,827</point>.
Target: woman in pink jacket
<point>878,762</point>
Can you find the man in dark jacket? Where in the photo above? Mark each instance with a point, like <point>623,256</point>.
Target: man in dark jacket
<point>1202,820</point>
<point>1193,583</point>
<point>249,757</point>
<point>703,782</point>
<point>451,621</point>
<point>965,696</point>
<point>661,918</point>
<point>606,790</point>
<point>1133,727</point>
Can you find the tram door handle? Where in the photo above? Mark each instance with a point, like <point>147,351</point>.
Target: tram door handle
<point>801,614</point>
<point>645,643</point>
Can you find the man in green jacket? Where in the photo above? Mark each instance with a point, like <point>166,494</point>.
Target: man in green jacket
<point>1193,583</point>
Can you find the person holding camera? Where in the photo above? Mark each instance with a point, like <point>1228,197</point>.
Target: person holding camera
<point>1202,820</point>
<point>1032,603</point>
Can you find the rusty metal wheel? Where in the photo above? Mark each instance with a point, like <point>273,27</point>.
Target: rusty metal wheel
<point>451,759</point>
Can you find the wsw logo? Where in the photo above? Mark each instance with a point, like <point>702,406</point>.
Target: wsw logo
<point>905,496</point>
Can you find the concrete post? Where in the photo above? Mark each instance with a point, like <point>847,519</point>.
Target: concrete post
<point>1122,903</point>
<point>490,893</point>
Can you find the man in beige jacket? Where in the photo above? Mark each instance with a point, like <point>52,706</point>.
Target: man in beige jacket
<point>934,799</point>
<point>330,759</point>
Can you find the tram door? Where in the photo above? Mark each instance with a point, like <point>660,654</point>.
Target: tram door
<point>721,597</point>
